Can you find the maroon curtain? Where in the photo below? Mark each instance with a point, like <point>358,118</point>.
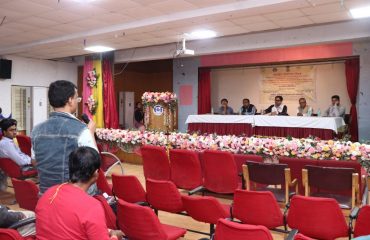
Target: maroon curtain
<point>204,91</point>
<point>109,95</point>
<point>352,78</point>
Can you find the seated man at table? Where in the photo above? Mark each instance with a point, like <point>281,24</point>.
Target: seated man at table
<point>66,211</point>
<point>303,108</point>
<point>278,108</point>
<point>335,110</point>
<point>247,108</point>
<point>225,109</point>
<point>8,149</point>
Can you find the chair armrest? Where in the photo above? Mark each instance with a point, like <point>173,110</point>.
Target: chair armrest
<point>195,190</point>
<point>292,234</point>
<point>354,213</point>
<point>23,222</point>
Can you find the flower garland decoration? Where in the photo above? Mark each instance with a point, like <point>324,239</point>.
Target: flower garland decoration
<point>92,78</point>
<point>91,104</point>
<point>152,98</point>
<point>267,146</point>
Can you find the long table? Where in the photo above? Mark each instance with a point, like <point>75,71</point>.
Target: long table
<point>280,126</point>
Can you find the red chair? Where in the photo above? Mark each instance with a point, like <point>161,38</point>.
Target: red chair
<point>13,170</point>
<point>12,234</point>
<point>103,184</point>
<point>24,143</point>
<point>319,218</point>
<point>186,171</point>
<point>257,208</point>
<point>128,188</point>
<point>109,161</point>
<point>226,230</point>
<point>155,163</point>
<point>220,174</point>
<point>164,196</point>
<point>206,209</point>
<point>26,193</point>
<point>300,236</point>
<point>110,217</point>
<point>362,227</point>
<point>141,223</point>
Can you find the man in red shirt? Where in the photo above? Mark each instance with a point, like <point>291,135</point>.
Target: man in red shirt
<point>66,211</point>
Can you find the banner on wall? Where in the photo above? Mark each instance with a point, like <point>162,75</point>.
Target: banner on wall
<point>291,82</point>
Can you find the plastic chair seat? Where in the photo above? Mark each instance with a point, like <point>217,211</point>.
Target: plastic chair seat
<point>173,232</point>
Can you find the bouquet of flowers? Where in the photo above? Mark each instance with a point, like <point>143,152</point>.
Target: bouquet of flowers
<point>91,104</point>
<point>152,98</point>
<point>92,78</point>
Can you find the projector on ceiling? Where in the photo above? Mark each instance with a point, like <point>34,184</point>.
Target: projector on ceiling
<point>183,51</point>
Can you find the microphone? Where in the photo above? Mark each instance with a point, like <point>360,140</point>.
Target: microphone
<point>85,118</point>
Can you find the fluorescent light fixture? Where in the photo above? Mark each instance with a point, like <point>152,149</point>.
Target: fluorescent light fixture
<point>98,49</point>
<point>362,12</point>
<point>201,34</point>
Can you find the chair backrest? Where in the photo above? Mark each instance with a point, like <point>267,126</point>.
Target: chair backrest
<point>220,174</point>
<point>257,208</point>
<point>24,143</point>
<point>205,209</point>
<point>103,184</point>
<point>362,227</point>
<point>26,193</point>
<point>236,231</point>
<point>315,217</point>
<point>266,173</point>
<point>164,195</point>
<point>336,179</point>
<point>128,188</point>
<point>110,217</point>
<point>10,168</point>
<point>138,222</point>
<point>186,171</point>
<point>107,160</point>
<point>155,163</point>
<point>10,234</point>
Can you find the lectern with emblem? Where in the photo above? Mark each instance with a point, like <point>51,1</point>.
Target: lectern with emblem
<point>160,111</point>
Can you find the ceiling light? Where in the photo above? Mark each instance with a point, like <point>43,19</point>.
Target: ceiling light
<point>201,34</point>
<point>98,49</point>
<point>360,12</point>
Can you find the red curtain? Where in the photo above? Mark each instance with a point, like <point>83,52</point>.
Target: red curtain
<point>352,78</point>
<point>109,95</point>
<point>204,91</point>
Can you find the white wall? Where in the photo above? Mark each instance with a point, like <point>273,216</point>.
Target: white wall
<point>238,83</point>
<point>34,72</point>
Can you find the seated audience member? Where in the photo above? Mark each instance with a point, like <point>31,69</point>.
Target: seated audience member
<point>225,109</point>
<point>247,108</point>
<point>66,211</point>
<point>9,217</point>
<point>304,109</point>
<point>278,108</point>
<point>8,149</point>
<point>335,110</point>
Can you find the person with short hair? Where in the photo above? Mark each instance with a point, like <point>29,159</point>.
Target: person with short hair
<point>225,109</point>
<point>303,109</point>
<point>66,211</point>
<point>8,149</point>
<point>247,108</point>
<point>335,110</point>
<point>54,139</point>
<point>278,108</point>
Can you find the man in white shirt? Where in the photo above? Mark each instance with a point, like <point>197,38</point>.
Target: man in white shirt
<point>278,108</point>
<point>335,110</point>
<point>8,149</point>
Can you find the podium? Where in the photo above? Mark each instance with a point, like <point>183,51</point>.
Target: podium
<point>160,117</point>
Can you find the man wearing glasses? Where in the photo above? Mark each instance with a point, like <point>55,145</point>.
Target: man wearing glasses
<point>278,108</point>
<point>54,139</point>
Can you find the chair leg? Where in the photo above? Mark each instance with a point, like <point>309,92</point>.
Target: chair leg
<point>211,229</point>
<point>156,211</point>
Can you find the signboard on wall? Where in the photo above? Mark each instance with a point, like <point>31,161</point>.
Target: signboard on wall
<point>292,82</point>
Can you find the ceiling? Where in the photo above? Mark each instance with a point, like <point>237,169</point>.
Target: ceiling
<point>49,29</point>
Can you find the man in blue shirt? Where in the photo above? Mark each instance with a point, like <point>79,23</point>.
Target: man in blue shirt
<point>225,109</point>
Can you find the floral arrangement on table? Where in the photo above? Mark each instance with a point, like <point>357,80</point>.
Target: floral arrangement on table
<point>91,104</point>
<point>152,98</point>
<point>92,78</point>
<point>274,146</point>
